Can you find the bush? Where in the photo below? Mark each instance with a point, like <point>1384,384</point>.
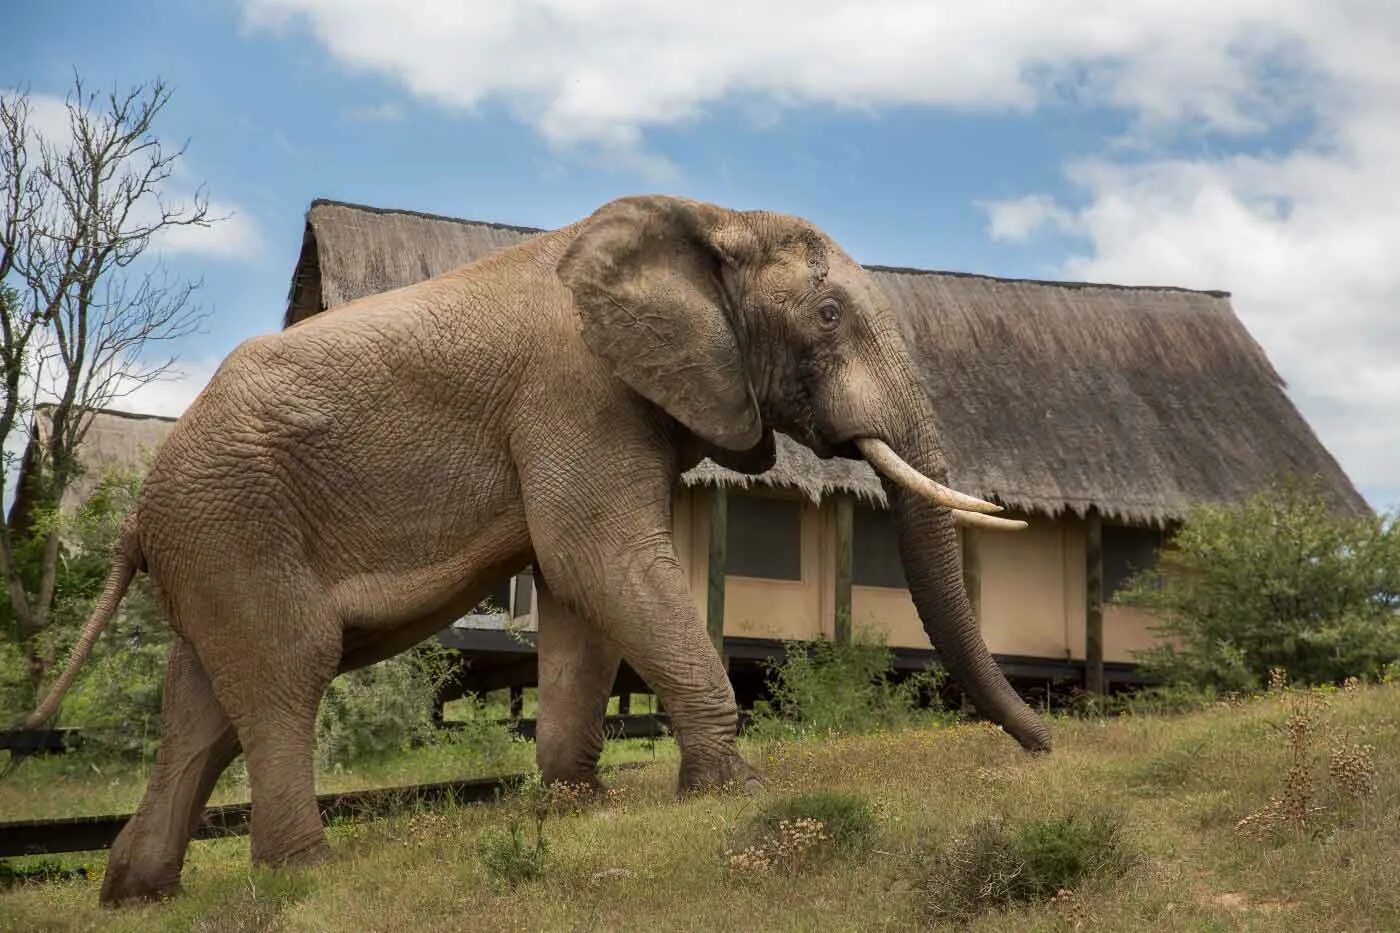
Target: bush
<point>1280,580</point>
<point>381,709</point>
<point>994,865</point>
<point>116,696</point>
<point>505,853</point>
<point>821,688</point>
<point>847,819</point>
<point>15,697</point>
<point>793,833</point>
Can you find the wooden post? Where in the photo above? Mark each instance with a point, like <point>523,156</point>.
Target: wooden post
<point>624,703</point>
<point>845,556</point>
<point>719,540</point>
<point>972,572</point>
<point>1093,603</point>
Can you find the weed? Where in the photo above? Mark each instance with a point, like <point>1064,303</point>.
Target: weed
<point>848,819</point>
<point>1353,770</point>
<point>786,848</point>
<point>1351,767</point>
<point>505,853</point>
<point>994,865</point>
<point>790,833</point>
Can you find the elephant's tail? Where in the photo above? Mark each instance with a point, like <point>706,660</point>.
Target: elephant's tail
<point>127,561</point>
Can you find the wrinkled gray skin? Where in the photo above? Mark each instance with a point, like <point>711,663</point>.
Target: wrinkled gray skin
<point>344,488</point>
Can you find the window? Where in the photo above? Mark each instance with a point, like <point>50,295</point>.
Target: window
<point>876,560</point>
<point>765,538</point>
<point>524,594</point>
<point>497,602</point>
<point>1126,551</point>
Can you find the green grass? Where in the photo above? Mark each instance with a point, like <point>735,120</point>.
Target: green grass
<point>1176,786</point>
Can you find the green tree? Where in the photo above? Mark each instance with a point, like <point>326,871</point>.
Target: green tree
<point>1279,580</point>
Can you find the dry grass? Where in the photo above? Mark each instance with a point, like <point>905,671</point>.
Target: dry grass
<point>639,860</point>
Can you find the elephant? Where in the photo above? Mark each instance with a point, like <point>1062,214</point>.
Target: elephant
<point>346,487</point>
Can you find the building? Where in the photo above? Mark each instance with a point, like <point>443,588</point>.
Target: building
<point>1099,413</point>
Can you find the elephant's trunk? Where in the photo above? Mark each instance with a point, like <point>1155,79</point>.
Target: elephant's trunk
<point>929,547</point>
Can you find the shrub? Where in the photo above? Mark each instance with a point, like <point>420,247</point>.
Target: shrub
<point>484,735</point>
<point>1279,580</point>
<point>822,688</point>
<point>381,709</point>
<point>505,853</point>
<point>116,696</point>
<point>994,865</point>
<point>847,819</point>
<point>116,699</point>
<point>15,697</point>
<point>790,833</point>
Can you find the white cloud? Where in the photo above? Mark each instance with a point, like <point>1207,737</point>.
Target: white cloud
<point>170,395</point>
<point>1305,238</point>
<point>601,71</point>
<point>384,112</point>
<point>1017,219</point>
<point>234,236</point>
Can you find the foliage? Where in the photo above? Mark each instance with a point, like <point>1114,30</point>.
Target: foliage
<point>15,695</point>
<point>38,871</point>
<point>798,827</point>
<point>995,865</point>
<point>504,851</point>
<point>380,710</point>
<point>117,695</point>
<point>484,736</point>
<point>1279,580</point>
<point>825,688</point>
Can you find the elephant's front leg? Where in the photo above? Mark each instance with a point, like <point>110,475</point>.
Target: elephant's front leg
<point>577,666</point>
<point>626,580</point>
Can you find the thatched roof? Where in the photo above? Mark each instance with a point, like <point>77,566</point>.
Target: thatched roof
<point>114,439</point>
<point>1051,396</point>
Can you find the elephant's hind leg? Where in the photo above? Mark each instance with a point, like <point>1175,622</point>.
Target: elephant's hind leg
<point>577,668</point>
<point>272,668</point>
<point>197,743</point>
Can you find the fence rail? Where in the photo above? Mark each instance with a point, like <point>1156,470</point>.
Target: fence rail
<point>25,742</point>
<point>84,833</point>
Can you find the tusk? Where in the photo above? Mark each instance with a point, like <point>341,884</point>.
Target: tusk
<point>883,458</point>
<point>965,519</point>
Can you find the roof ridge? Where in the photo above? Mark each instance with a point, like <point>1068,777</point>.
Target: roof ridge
<point>115,412</point>
<point>466,221</point>
<point>911,270</point>
<point>901,270</point>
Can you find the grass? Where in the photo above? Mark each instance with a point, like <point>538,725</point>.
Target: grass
<point>74,785</point>
<point>1168,855</point>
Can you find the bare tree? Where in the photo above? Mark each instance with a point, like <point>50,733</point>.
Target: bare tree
<point>82,303</point>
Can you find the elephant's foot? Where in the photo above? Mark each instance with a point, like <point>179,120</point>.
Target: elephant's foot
<point>567,794</point>
<point>295,856</point>
<point>728,772</point>
<point>127,882</point>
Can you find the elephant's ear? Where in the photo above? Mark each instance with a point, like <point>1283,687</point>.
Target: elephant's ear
<point>647,275</point>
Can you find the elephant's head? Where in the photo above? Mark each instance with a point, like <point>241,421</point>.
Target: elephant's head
<point>741,323</point>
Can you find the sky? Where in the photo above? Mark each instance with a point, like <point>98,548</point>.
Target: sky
<point>1245,145</point>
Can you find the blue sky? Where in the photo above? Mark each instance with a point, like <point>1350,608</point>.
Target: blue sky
<point>1226,145</point>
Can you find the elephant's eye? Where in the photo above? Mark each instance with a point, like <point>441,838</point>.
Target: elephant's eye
<point>830,312</point>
